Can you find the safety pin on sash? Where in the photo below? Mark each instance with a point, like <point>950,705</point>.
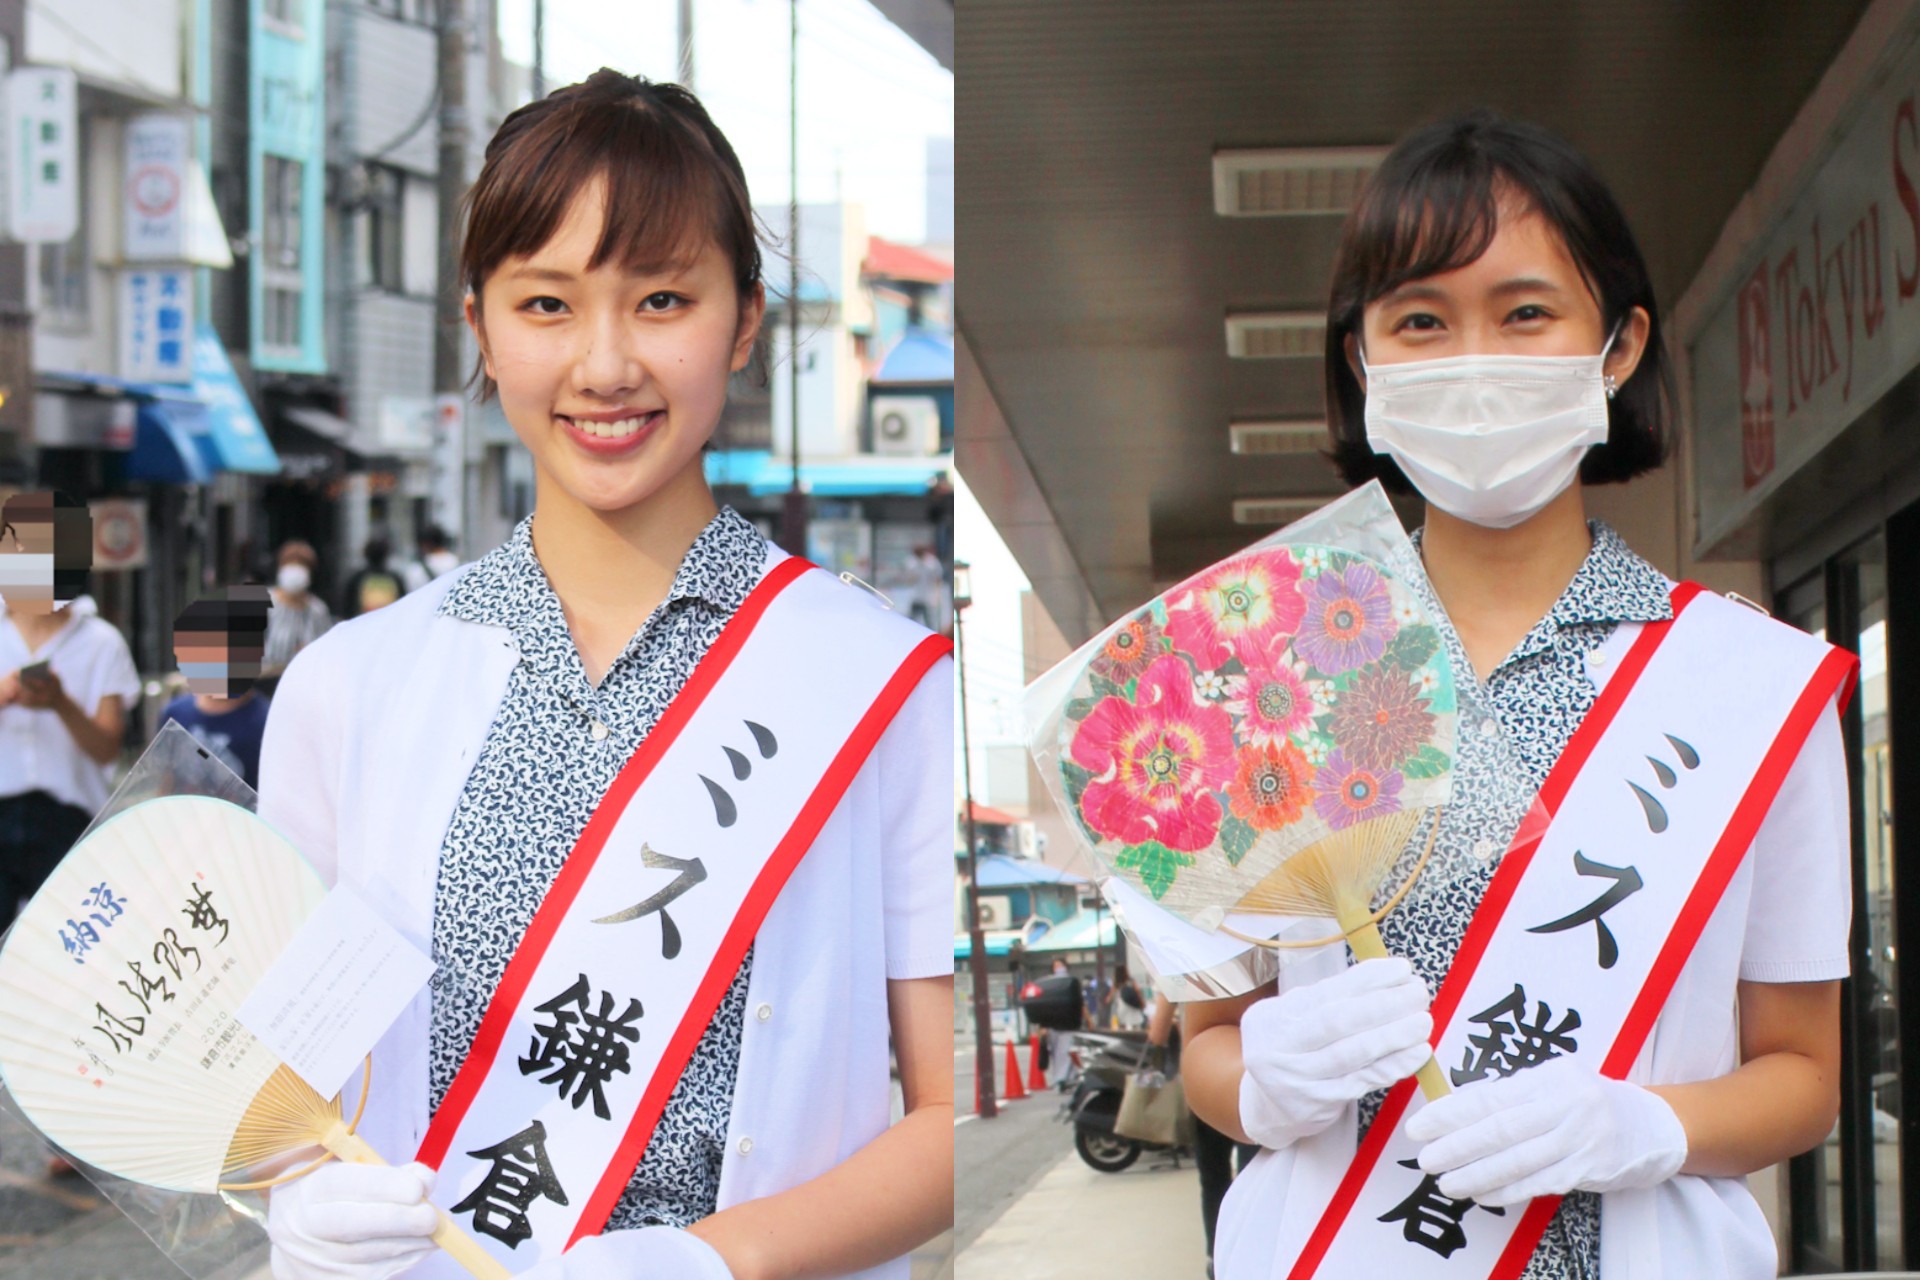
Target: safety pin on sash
<point>867,587</point>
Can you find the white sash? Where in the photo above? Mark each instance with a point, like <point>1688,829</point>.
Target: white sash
<point>1586,926</point>
<point>643,930</point>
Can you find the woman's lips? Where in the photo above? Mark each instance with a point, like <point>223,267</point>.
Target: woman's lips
<point>625,436</point>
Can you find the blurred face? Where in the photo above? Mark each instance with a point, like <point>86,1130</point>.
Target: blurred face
<point>613,380</point>
<point>1524,296</point>
<point>39,571</point>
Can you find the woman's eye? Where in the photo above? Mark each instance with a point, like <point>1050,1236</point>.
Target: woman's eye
<point>661,301</point>
<point>1528,314</point>
<point>1419,322</point>
<point>539,306</point>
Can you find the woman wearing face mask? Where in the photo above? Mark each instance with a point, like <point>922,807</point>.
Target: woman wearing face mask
<point>298,616</point>
<point>1493,343</point>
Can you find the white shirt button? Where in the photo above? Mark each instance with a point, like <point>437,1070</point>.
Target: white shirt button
<point>1598,657</point>
<point>764,1012</point>
<point>1484,849</point>
<point>746,1146</point>
<point>599,732</point>
<point>1489,727</point>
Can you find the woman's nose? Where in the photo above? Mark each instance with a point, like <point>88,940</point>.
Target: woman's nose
<point>612,364</point>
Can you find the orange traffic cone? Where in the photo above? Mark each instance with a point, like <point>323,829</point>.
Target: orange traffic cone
<point>1015,1090</point>
<point>1036,1078</point>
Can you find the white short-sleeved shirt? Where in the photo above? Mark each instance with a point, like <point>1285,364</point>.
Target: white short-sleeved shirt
<point>372,735</point>
<point>36,751</point>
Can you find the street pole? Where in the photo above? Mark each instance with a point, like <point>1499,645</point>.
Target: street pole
<point>983,1099</point>
<point>793,531</point>
<point>539,49</point>
<point>686,45</point>
<point>448,377</point>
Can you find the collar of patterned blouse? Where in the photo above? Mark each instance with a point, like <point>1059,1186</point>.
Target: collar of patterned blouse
<point>1613,585</point>
<point>508,588</point>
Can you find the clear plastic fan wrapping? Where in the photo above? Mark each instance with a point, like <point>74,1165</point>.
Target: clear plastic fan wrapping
<point>120,985</point>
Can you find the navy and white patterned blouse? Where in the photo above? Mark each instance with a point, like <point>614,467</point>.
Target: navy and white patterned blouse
<point>1518,720</point>
<point>555,744</point>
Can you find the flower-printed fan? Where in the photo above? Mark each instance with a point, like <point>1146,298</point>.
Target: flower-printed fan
<point>1266,737</point>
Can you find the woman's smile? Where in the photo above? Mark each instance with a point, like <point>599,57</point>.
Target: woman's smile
<point>603,437</point>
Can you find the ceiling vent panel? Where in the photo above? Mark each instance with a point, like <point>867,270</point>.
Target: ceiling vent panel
<point>1267,438</point>
<point>1277,335</point>
<point>1276,511</point>
<point>1291,182</point>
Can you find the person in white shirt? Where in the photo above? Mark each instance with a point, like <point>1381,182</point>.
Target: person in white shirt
<point>66,679</point>
<point>1486,256</point>
<point>613,277</point>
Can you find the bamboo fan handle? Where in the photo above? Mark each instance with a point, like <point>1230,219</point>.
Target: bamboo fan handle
<point>460,1246</point>
<point>1366,944</point>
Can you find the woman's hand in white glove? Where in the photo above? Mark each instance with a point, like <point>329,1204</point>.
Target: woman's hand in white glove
<point>1548,1130</point>
<point>364,1221</point>
<point>1310,1051</point>
<point>650,1253</point>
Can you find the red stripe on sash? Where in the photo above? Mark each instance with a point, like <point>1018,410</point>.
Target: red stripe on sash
<point>1486,919</point>
<point>733,948</point>
<point>586,850</point>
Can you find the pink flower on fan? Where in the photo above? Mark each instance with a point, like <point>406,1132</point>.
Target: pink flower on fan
<point>1350,794</point>
<point>1157,762</point>
<point>1348,622</point>
<point>1237,608</point>
<point>1270,702</point>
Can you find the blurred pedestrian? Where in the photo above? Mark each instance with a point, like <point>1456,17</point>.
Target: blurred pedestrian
<point>927,601</point>
<point>436,557</point>
<point>375,584</point>
<point>298,616</point>
<point>1059,1043</point>
<point>218,641</point>
<point>66,679</point>
<point>1098,995</point>
<point>1129,1006</point>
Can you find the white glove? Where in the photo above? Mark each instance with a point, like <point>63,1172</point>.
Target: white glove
<point>651,1253</point>
<point>364,1221</point>
<point>1545,1131</point>
<point>1312,1050</point>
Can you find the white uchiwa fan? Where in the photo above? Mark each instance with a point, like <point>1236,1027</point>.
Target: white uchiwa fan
<point>119,988</point>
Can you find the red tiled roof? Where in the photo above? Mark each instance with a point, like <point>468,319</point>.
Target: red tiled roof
<point>902,262</point>
<point>992,817</point>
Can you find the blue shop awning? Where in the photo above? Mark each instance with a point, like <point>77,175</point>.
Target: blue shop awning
<point>166,441</point>
<point>762,474</point>
<point>235,440</point>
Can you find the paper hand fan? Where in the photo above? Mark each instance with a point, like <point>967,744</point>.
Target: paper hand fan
<point>120,984</point>
<point>1266,737</point>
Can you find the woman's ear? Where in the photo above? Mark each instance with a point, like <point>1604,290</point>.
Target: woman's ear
<point>471,309</point>
<point>1629,344</point>
<point>753,309</point>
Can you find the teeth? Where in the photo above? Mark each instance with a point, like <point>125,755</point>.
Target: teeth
<point>610,430</point>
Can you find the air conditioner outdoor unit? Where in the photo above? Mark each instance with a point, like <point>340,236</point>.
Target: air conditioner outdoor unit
<point>996,913</point>
<point>906,426</point>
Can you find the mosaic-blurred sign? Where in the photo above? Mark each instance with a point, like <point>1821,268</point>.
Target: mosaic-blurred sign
<point>43,127</point>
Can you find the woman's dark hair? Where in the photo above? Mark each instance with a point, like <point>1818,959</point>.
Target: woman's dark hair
<point>673,183</point>
<point>1434,206</point>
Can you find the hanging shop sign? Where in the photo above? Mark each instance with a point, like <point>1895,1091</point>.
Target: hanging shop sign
<point>1824,317</point>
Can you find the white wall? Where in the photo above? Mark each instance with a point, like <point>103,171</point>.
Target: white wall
<point>134,44</point>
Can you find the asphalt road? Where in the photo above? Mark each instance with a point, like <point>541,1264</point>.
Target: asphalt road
<point>997,1161</point>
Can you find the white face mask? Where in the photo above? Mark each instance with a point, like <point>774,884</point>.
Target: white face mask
<point>1490,439</point>
<point>27,579</point>
<point>293,577</point>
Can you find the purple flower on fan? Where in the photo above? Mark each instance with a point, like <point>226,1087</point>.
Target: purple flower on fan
<point>1348,622</point>
<point>1347,793</point>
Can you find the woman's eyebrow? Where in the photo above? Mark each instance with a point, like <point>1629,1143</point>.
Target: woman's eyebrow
<point>539,273</point>
<point>1414,291</point>
<point>1524,284</point>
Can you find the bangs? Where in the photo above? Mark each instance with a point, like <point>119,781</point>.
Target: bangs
<point>667,194</point>
<point>1436,219</point>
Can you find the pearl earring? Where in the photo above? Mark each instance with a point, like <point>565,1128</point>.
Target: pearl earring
<point>1612,385</point>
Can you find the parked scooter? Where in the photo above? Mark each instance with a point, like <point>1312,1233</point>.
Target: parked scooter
<point>1108,1058</point>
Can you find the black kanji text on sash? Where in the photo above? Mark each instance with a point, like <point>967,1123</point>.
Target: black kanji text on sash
<point>1432,1220</point>
<point>1512,1043</point>
<point>1664,774</point>
<point>581,1049</point>
<point>520,1175</point>
<point>690,872</point>
<point>725,811</point>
